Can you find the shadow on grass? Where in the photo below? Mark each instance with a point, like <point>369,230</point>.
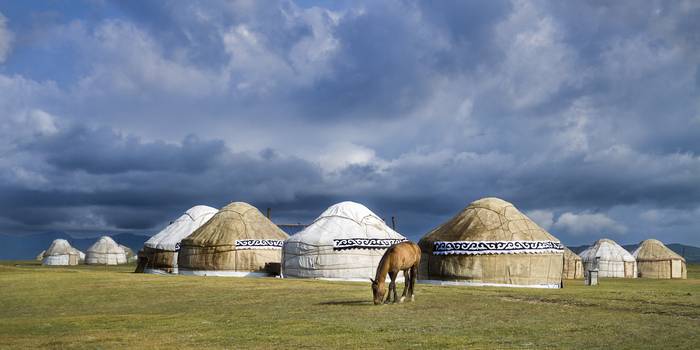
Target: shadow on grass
<point>348,302</point>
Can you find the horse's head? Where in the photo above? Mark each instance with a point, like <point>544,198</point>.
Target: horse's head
<point>378,291</point>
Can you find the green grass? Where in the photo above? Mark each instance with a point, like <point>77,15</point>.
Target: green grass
<point>98,307</point>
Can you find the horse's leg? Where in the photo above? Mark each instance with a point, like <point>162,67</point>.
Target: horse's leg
<point>414,277</point>
<point>406,283</point>
<point>393,283</point>
<point>391,286</point>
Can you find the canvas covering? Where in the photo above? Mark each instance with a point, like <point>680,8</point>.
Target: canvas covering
<point>105,252</point>
<point>656,260</point>
<point>493,220</point>
<point>159,253</point>
<point>345,242</point>
<point>573,265</point>
<point>60,253</point>
<point>611,259</point>
<point>216,248</point>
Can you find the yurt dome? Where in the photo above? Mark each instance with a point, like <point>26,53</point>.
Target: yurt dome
<point>60,253</point>
<point>655,260</point>
<point>573,265</point>
<point>345,242</point>
<point>105,252</point>
<point>159,253</point>
<point>491,242</point>
<point>237,241</point>
<point>610,259</point>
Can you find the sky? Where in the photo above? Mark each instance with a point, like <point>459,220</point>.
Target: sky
<point>116,117</point>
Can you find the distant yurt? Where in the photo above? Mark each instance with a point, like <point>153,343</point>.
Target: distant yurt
<point>345,242</point>
<point>573,265</point>
<point>105,252</point>
<point>81,255</point>
<point>610,258</point>
<point>130,256</point>
<point>159,254</point>
<point>237,241</point>
<point>655,260</point>
<point>40,256</point>
<point>60,253</point>
<point>491,242</point>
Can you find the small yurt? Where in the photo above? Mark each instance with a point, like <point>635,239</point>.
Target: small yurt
<point>159,254</point>
<point>345,242</point>
<point>237,241</point>
<point>655,260</point>
<point>490,242</point>
<point>130,256</point>
<point>610,258</point>
<point>61,253</point>
<point>105,252</point>
<point>573,265</point>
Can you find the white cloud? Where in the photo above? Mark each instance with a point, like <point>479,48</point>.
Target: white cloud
<point>544,218</point>
<point>343,154</point>
<point>585,223</point>
<point>6,38</point>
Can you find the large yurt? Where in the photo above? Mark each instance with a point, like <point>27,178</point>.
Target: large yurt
<point>159,254</point>
<point>490,242</point>
<point>610,259</point>
<point>237,241</point>
<point>60,253</point>
<point>345,242</point>
<point>105,252</point>
<point>655,260</point>
<point>573,265</point>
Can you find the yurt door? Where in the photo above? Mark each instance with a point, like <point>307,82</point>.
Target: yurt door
<point>676,269</point>
<point>629,269</point>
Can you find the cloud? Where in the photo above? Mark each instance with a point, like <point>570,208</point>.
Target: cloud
<point>543,218</point>
<point>6,38</point>
<point>586,223</point>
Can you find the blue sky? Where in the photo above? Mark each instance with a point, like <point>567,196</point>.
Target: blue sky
<point>118,116</point>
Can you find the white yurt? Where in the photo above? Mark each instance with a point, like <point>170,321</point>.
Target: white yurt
<point>60,253</point>
<point>345,242</point>
<point>159,254</point>
<point>105,252</point>
<point>610,258</point>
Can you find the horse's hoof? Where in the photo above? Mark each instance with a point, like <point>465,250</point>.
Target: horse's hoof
<point>413,298</point>
<point>402,299</point>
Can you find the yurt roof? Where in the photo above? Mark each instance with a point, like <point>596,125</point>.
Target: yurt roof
<point>652,249</point>
<point>171,236</point>
<point>345,220</point>
<point>570,255</point>
<point>106,245</point>
<point>606,249</point>
<point>235,221</point>
<point>489,219</point>
<point>60,247</point>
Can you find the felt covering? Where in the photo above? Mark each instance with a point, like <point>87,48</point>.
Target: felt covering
<point>573,265</point>
<point>60,252</point>
<point>655,260</point>
<point>105,252</point>
<point>213,246</point>
<point>611,259</point>
<point>345,242</point>
<point>510,263</point>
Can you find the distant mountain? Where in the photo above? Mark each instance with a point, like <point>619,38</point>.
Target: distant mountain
<point>689,252</point>
<point>28,246</point>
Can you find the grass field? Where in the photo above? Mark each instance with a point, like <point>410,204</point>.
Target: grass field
<point>97,307</point>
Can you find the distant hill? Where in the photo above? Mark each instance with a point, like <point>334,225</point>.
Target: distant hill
<point>689,252</point>
<point>24,247</point>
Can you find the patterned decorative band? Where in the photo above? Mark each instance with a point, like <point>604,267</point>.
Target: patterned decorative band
<point>496,247</point>
<point>365,243</point>
<point>242,244</point>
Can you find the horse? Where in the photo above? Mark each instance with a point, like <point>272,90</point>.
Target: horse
<point>404,256</point>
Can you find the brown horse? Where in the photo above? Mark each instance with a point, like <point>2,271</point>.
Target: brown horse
<point>404,256</point>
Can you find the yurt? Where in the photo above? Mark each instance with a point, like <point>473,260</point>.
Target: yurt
<point>490,242</point>
<point>105,252</point>
<point>40,256</point>
<point>159,254</point>
<point>345,242</point>
<point>60,253</point>
<point>81,255</point>
<point>655,260</point>
<point>237,241</point>
<point>130,256</point>
<point>573,265</point>
<point>610,259</point>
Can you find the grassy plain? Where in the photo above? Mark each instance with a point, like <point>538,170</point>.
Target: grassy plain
<point>98,307</point>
